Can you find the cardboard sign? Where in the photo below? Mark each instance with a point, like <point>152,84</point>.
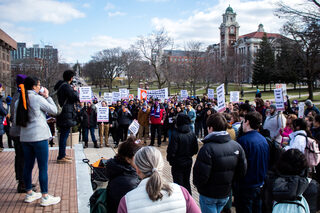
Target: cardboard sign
<point>278,95</point>
<point>161,94</point>
<point>283,87</point>
<point>221,98</point>
<point>134,127</point>
<point>184,94</point>
<point>234,96</point>
<point>107,96</point>
<point>85,94</point>
<point>301,110</point>
<point>103,114</point>
<point>131,97</point>
<point>116,96</point>
<point>124,93</point>
<point>211,93</point>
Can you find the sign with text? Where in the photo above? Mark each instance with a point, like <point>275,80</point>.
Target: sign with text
<point>234,96</point>
<point>103,114</point>
<point>134,127</point>
<point>142,94</point>
<point>278,96</point>
<point>211,93</point>
<point>85,94</point>
<point>283,87</point>
<point>107,96</point>
<point>184,94</point>
<point>116,96</point>
<point>301,110</point>
<point>161,94</point>
<point>221,98</point>
<point>124,93</point>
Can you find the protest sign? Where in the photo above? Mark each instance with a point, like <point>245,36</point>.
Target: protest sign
<point>283,87</point>
<point>116,96</point>
<point>142,94</point>
<point>85,94</point>
<point>221,98</point>
<point>161,94</point>
<point>301,110</point>
<point>279,99</point>
<point>134,127</point>
<point>124,93</point>
<point>103,114</point>
<point>234,97</point>
<point>107,96</point>
<point>211,93</point>
<point>184,94</point>
<point>131,97</point>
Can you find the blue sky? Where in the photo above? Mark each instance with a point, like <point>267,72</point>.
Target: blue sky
<point>79,28</point>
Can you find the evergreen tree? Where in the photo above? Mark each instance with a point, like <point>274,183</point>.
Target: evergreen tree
<point>264,64</point>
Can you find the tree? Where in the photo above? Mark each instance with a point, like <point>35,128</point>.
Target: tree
<point>303,25</point>
<point>264,64</point>
<point>131,59</point>
<point>151,47</point>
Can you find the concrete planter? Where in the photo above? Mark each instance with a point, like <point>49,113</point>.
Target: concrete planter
<point>75,139</point>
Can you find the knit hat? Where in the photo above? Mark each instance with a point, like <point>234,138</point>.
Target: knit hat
<point>144,104</point>
<point>273,106</point>
<point>20,78</point>
<point>183,119</point>
<point>308,103</point>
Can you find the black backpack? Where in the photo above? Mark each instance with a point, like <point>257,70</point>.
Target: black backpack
<point>98,201</point>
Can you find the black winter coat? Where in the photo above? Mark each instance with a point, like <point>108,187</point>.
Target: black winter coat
<point>113,119</point>
<point>67,98</point>
<point>219,162</point>
<point>122,179</point>
<point>182,147</point>
<point>89,120</point>
<point>125,118</point>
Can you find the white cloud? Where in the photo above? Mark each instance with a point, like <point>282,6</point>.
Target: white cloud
<point>109,6</point>
<point>19,34</point>
<point>86,5</point>
<point>117,13</point>
<point>82,51</point>
<point>38,10</point>
<point>204,25</point>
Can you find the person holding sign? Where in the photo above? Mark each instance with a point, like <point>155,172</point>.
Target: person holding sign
<point>274,122</point>
<point>104,129</point>
<point>157,117</point>
<point>143,120</point>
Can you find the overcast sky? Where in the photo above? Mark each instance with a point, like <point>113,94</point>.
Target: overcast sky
<point>80,28</point>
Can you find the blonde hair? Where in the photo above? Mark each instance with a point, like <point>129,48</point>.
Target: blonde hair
<point>150,162</point>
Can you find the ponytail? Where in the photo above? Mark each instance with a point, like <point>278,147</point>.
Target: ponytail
<point>154,186</point>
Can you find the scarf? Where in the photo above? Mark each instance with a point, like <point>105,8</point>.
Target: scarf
<point>144,109</point>
<point>155,113</point>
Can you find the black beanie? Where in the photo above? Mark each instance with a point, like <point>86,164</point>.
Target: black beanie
<point>183,119</point>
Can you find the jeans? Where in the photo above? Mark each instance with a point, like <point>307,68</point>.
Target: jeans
<point>192,127</point>
<point>248,200</point>
<point>64,134</point>
<point>212,205</point>
<point>154,128</point>
<point>170,134</point>
<point>18,159</point>
<point>93,137</point>
<point>33,150</point>
<point>198,129</point>
<point>181,176</point>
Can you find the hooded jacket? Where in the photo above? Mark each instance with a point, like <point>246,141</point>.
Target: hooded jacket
<point>219,162</point>
<point>122,179</point>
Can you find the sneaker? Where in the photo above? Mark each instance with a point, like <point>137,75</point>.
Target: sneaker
<point>32,197</point>
<point>64,160</point>
<point>49,200</point>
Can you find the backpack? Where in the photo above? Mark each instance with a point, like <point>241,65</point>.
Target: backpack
<point>297,206</point>
<point>311,151</point>
<point>98,201</point>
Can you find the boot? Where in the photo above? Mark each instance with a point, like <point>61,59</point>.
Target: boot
<point>85,145</point>
<point>95,144</point>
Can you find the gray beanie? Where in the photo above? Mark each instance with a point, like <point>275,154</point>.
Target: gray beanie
<point>273,106</point>
<point>308,103</point>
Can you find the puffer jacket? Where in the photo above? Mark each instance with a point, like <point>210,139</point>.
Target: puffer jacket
<point>67,98</point>
<point>122,179</point>
<point>182,147</point>
<point>89,117</point>
<point>125,118</point>
<point>219,162</point>
<point>3,114</point>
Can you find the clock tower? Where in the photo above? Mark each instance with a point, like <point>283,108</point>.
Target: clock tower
<point>229,31</point>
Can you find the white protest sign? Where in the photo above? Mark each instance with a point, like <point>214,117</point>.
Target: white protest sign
<point>124,93</point>
<point>283,87</point>
<point>103,114</point>
<point>107,96</point>
<point>301,110</point>
<point>221,98</point>
<point>211,93</point>
<point>161,94</point>
<point>184,94</point>
<point>116,96</point>
<point>134,127</point>
<point>279,99</point>
<point>85,94</point>
<point>234,96</point>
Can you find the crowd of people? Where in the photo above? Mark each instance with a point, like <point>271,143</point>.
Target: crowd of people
<point>245,151</point>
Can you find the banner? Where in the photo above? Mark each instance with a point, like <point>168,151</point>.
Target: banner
<point>279,99</point>
<point>234,96</point>
<point>107,96</point>
<point>134,127</point>
<point>131,97</point>
<point>85,94</point>
<point>184,94</point>
<point>124,93</point>
<point>301,110</point>
<point>116,96</point>
<point>161,94</point>
<point>221,98</point>
<point>103,114</point>
<point>211,93</point>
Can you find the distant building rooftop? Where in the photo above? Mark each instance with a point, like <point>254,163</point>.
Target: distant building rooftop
<point>4,37</point>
